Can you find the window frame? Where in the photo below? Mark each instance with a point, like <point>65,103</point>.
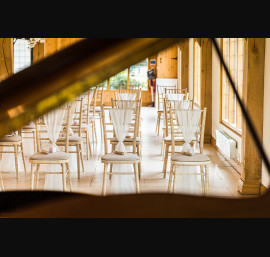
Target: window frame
<point>236,108</point>
<point>128,77</point>
<point>198,88</point>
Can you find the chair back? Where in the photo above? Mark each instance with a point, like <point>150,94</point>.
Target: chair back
<point>105,124</point>
<point>65,129</point>
<point>161,94</point>
<point>199,136</point>
<point>174,104</point>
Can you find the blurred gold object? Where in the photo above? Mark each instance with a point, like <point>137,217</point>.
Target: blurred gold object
<point>61,77</point>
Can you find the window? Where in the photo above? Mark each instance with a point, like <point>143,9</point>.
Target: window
<point>197,73</point>
<point>138,74</point>
<point>233,53</point>
<point>119,79</point>
<point>22,54</point>
<point>134,75</point>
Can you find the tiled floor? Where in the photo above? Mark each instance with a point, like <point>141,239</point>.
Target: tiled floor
<point>223,177</point>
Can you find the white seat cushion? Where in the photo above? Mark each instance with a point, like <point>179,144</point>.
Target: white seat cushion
<point>126,139</point>
<point>50,156</point>
<point>14,138</point>
<point>120,157</point>
<point>29,126</point>
<point>178,139</point>
<point>194,158</point>
<point>71,139</point>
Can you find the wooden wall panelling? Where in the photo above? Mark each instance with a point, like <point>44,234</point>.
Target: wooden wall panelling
<point>6,58</point>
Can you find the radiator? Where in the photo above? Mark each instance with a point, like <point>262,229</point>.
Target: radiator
<point>226,144</point>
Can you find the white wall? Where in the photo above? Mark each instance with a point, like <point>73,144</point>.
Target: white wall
<point>216,103</point>
<point>266,108</point>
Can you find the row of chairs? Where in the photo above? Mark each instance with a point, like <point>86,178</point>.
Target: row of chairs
<point>173,102</point>
<point>87,110</point>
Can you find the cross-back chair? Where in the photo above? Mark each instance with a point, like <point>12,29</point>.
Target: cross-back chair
<point>58,157</point>
<point>160,95</point>
<point>198,159</point>
<point>129,139</point>
<point>75,141</point>
<point>14,140</point>
<point>167,141</point>
<point>111,158</point>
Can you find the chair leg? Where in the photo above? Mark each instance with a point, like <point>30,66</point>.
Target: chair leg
<point>34,139</point>
<point>16,160</point>
<point>136,178</point>
<point>170,178</point>
<point>69,179</point>
<point>104,179</point>
<point>32,177</point>
<point>87,145</point>
<point>81,155</point>
<point>202,179</point>
<point>23,158</point>
<point>139,165</point>
<point>2,183</point>
<point>37,176</point>
<point>63,177</point>
<point>111,167</point>
<point>95,131</point>
<point>158,123</point>
<point>101,127</point>
<point>78,161</point>
<point>165,160</point>
<point>174,179</point>
<point>207,178</point>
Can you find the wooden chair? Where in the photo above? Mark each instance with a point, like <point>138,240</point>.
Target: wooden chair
<point>113,158</point>
<point>74,140</point>
<point>30,129</point>
<point>58,157</point>
<point>177,91</point>
<point>99,103</point>
<point>160,94</point>
<point>129,140</point>
<point>15,141</point>
<point>199,159</point>
<point>88,120</point>
<point>129,91</point>
<point>167,140</point>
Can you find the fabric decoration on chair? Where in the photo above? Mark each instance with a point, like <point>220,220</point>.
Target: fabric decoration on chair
<point>53,122</point>
<point>127,96</point>
<point>121,119</point>
<point>188,123</point>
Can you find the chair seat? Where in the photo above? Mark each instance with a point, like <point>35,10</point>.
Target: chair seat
<point>14,138</point>
<point>50,156</point>
<point>84,126</point>
<point>178,157</point>
<point>126,139</point>
<point>119,157</point>
<point>178,139</point>
<point>29,126</point>
<point>71,139</point>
